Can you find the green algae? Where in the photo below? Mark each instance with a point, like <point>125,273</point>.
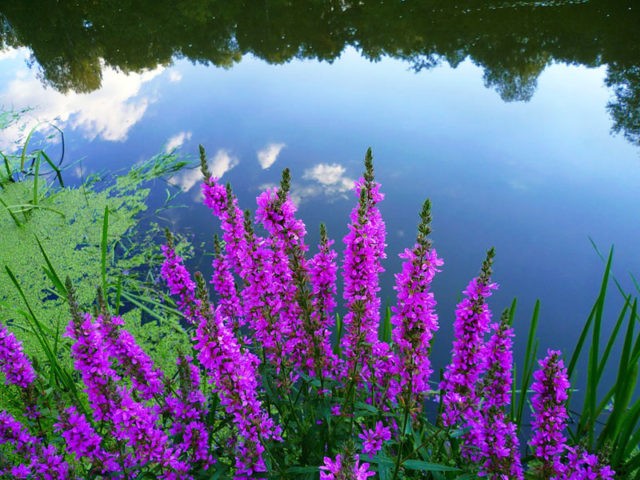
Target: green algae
<point>64,235</point>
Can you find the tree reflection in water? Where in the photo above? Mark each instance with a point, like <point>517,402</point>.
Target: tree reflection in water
<point>512,41</point>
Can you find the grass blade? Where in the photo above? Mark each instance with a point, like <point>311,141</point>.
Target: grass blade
<point>50,271</point>
<point>53,166</point>
<point>7,167</point>
<point>36,178</point>
<point>613,336</point>
<point>529,363</point>
<point>15,219</point>
<point>339,332</point>
<point>103,250</point>
<point>616,431</point>
<point>60,375</point>
<point>586,425</point>
<point>23,155</point>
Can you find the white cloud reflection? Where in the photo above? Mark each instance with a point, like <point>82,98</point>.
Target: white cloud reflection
<point>330,175</point>
<point>175,76</point>
<point>328,179</point>
<point>107,113</point>
<point>177,141</point>
<point>11,53</point>
<point>269,154</point>
<point>220,164</point>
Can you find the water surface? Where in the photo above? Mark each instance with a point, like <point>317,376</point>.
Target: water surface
<point>520,120</point>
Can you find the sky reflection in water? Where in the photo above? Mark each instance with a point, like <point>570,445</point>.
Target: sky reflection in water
<point>533,179</point>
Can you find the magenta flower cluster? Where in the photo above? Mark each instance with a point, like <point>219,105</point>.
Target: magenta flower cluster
<point>343,468</point>
<point>237,402</point>
<point>557,459</point>
<point>13,362</point>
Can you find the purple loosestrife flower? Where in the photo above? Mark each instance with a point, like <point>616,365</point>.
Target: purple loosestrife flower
<point>276,212</point>
<point>187,408</point>
<point>16,435</point>
<point>364,250</point>
<point>550,388</point>
<point>585,466</point>
<point>137,425</point>
<point>135,362</point>
<point>372,439</point>
<point>322,275</point>
<point>82,440</point>
<point>51,466</point>
<point>133,422</point>
<point>224,284</point>
<point>178,280</point>
<point>458,387</point>
<point>269,302</point>
<point>344,469</point>
<point>224,205</point>
<point>91,359</point>
<point>414,319</point>
<point>232,372</point>
<point>499,444</point>
<point>13,362</point>
<point>40,460</point>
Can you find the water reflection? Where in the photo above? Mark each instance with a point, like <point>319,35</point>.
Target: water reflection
<point>269,154</point>
<point>328,179</point>
<point>106,114</point>
<point>221,163</point>
<point>77,44</point>
<point>177,141</point>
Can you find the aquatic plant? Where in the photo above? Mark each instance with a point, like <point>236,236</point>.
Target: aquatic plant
<point>260,393</point>
<point>51,231</point>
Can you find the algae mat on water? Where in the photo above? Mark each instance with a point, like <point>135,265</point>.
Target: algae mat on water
<point>68,225</point>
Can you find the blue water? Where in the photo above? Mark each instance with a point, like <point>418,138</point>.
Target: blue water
<point>535,179</point>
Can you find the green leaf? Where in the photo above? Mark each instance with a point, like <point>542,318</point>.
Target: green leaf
<point>301,469</point>
<point>427,467</point>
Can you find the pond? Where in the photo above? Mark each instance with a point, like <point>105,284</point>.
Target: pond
<point>519,120</point>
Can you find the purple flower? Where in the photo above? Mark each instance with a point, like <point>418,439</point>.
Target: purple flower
<point>187,408</point>
<point>232,371</point>
<point>331,468</point>
<point>13,362</point>
<point>19,471</point>
<point>50,465</point>
<point>585,466</point>
<point>322,275</point>
<point>134,361</point>
<point>345,470</point>
<point>224,205</point>
<point>133,422</point>
<point>307,342</point>
<point>550,388</point>
<point>414,319</point>
<point>364,251</point>
<point>92,360</point>
<point>82,440</point>
<point>276,211</point>
<point>372,440</point>
<point>16,435</point>
<point>42,460</point>
<point>224,284</point>
<point>461,376</point>
<point>178,280</point>
<point>499,445</point>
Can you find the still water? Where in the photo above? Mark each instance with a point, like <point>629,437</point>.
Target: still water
<point>520,120</point>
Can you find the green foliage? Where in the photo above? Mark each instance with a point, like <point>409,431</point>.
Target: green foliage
<point>608,420</point>
<point>81,233</point>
